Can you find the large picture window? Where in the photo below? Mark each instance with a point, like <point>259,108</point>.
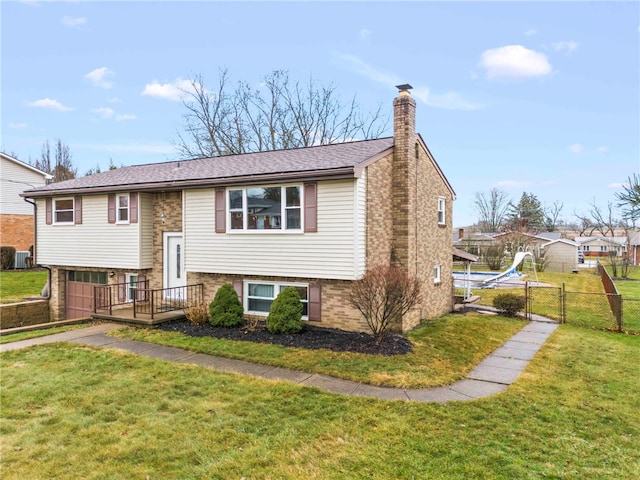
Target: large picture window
<point>259,296</point>
<point>265,208</point>
<point>63,210</point>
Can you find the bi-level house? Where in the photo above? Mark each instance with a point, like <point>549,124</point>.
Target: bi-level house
<point>315,218</point>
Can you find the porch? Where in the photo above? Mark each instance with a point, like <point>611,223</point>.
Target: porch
<point>134,303</point>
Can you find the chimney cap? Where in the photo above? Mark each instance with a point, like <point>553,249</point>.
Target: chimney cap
<point>405,87</point>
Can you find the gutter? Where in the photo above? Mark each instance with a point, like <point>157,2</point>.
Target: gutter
<point>35,248</point>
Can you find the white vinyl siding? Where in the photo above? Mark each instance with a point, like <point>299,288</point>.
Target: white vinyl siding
<point>331,252</point>
<point>360,214</point>
<point>17,178</point>
<point>95,242</point>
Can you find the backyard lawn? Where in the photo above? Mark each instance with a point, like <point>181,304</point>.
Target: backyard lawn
<point>78,412</point>
<point>15,285</point>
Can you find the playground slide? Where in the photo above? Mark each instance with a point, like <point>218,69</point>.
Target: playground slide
<point>517,260</point>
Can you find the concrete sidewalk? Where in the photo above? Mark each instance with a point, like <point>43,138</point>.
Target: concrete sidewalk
<point>493,375</point>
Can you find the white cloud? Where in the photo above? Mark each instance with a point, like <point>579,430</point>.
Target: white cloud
<point>365,33</point>
<point>514,62</point>
<point>616,185</point>
<point>18,125</point>
<point>169,91</point>
<point>50,104</point>
<point>448,100</point>
<point>531,31</point>
<point>69,21</point>
<point>108,113</point>
<point>114,100</point>
<point>602,149</point>
<point>576,148</point>
<point>99,77</point>
<point>565,46</point>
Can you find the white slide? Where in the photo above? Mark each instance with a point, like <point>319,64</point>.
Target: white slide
<point>517,260</point>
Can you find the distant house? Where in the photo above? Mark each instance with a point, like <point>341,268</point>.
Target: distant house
<point>602,246</point>
<point>560,255</point>
<point>16,215</point>
<point>315,218</point>
<point>477,243</point>
<point>634,247</point>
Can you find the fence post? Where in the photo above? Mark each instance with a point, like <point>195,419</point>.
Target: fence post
<point>618,312</point>
<point>563,304</point>
<point>527,309</point>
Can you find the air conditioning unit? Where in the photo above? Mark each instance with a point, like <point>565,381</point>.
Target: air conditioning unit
<point>20,260</point>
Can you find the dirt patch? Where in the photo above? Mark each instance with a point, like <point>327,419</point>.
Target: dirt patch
<point>312,338</point>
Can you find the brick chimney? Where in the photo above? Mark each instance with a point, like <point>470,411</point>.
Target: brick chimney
<point>404,179</point>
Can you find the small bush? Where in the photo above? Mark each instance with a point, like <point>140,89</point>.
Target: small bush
<point>197,314</point>
<point>226,310</point>
<point>509,304</point>
<point>285,314</point>
<point>7,256</point>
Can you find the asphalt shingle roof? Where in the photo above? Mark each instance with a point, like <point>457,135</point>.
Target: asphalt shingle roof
<point>284,162</point>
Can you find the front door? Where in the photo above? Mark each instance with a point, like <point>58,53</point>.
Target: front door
<point>174,273</point>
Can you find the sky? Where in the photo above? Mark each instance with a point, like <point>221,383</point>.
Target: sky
<point>538,97</point>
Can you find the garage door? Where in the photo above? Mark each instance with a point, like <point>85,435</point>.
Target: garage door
<point>79,300</point>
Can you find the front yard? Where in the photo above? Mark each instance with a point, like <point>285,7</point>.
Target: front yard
<point>15,285</point>
<point>79,412</point>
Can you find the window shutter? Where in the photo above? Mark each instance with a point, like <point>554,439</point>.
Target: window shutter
<point>48,211</point>
<point>310,207</point>
<point>111,207</point>
<point>315,296</point>
<point>77,214</point>
<point>237,286</point>
<point>221,211</point>
<point>122,288</point>
<point>133,208</point>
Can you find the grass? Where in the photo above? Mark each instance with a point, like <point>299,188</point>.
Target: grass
<point>15,285</point>
<point>14,337</point>
<point>444,351</point>
<point>78,412</point>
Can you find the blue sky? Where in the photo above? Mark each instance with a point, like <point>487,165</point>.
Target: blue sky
<point>541,97</point>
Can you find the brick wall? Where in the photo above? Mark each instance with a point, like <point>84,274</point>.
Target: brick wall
<point>24,313</point>
<point>169,203</point>
<point>17,231</point>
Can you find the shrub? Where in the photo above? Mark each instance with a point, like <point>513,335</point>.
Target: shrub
<point>226,310</point>
<point>509,303</point>
<point>197,314</point>
<point>285,314</point>
<point>383,295</point>
<point>7,257</point>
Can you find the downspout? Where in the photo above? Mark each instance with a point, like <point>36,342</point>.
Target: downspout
<point>35,248</point>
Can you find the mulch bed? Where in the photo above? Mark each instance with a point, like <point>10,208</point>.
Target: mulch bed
<point>312,338</point>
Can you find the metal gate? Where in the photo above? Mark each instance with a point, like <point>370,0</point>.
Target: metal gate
<point>545,301</point>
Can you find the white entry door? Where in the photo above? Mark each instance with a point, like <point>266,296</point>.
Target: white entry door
<point>174,273</point>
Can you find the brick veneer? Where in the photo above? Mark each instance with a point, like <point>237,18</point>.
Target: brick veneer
<point>17,231</point>
<point>169,204</point>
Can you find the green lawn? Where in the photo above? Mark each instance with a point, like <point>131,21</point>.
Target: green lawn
<point>444,351</point>
<point>17,284</point>
<point>14,337</point>
<point>79,412</point>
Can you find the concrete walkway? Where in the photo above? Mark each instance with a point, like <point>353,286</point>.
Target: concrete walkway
<point>493,375</point>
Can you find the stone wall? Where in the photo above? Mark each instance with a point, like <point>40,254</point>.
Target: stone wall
<point>24,313</point>
<point>17,231</point>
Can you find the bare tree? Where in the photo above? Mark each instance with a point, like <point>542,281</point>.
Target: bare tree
<point>586,226</point>
<point>384,295</point>
<point>629,199</point>
<point>551,215</point>
<point>62,167</point>
<point>279,115</point>
<point>605,221</point>
<point>492,209</point>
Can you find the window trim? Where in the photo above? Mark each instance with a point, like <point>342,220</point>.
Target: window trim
<point>442,207</point>
<point>277,286</point>
<point>120,209</point>
<point>55,211</point>
<point>284,208</point>
<point>437,274</point>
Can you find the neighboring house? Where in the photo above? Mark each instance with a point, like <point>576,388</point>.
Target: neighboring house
<point>602,246</point>
<point>315,218</point>
<point>16,214</point>
<point>475,243</point>
<point>560,255</point>
<point>634,247</point>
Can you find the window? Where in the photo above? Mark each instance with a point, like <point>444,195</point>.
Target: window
<point>603,248</point>
<point>63,210</point>
<point>132,286</point>
<point>123,209</point>
<point>586,248</point>
<point>87,277</point>
<point>441,210</point>
<point>265,208</point>
<point>260,296</point>
<point>436,274</point>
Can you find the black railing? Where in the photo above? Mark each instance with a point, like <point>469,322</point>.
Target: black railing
<point>146,301</point>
